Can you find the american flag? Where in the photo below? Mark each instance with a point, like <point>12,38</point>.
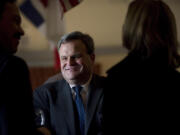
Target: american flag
<point>47,17</point>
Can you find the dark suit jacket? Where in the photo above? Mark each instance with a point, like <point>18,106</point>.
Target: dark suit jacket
<point>16,96</point>
<point>55,99</point>
<point>142,96</point>
<point>54,78</point>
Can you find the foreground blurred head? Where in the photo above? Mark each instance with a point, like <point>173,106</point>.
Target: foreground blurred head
<point>150,28</point>
<point>10,26</point>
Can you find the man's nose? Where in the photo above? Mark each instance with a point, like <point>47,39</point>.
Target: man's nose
<point>71,61</point>
<point>21,31</point>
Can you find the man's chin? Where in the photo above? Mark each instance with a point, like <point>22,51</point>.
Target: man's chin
<point>10,51</point>
<point>72,79</point>
<point>13,51</point>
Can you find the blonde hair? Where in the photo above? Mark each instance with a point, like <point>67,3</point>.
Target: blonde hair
<point>150,28</point>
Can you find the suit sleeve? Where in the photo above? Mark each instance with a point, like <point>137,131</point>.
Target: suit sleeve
<point>41,106</point>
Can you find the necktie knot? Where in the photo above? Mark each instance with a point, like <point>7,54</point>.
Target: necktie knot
<point>77,89</point>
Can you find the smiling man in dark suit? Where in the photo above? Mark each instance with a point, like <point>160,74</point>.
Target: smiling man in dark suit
<point>64,111</point>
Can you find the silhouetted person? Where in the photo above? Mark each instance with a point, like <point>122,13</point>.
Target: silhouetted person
<point>16,109</point>
<point>141,94</point>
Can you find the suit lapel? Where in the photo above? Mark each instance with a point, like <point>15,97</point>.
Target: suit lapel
<point>66,101</point>
<point>95,94</point>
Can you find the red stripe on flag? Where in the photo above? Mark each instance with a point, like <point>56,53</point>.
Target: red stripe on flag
<point>73,2</point>
<point>70,3</point>
<point>63,5</point>
<point>57,59</point>
<point>44,2</point>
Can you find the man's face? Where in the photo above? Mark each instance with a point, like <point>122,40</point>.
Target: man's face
<point>10,28</point>
<point>76,64</point>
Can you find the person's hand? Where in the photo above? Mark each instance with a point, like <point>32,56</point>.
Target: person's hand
<point>44,131</point>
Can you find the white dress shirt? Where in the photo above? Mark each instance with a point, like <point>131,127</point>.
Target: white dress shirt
<point>84,92</point>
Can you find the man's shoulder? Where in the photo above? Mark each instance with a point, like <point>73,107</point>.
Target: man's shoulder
<point>13,66</point>
<point>15,62</point>
<point>54,78</point>
<point>11,59</point>
<point>51,91</point>
<point>51,87</point>
<point>97,77</point>
<point>98,81</point>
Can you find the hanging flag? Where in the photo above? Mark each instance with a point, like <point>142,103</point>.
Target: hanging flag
<point>47,17</point>
<point>68,4</point>
<point>35,11</point>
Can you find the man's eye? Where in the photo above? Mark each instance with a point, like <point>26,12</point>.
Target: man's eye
<point>77,56</point>
<point>63,58</point>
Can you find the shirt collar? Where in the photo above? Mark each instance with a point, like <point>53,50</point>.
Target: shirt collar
<point>85,86</point>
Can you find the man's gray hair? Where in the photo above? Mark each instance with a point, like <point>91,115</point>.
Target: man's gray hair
<point>77,35</point>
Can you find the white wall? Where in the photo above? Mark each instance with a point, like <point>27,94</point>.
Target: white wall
<point>102,19</point>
